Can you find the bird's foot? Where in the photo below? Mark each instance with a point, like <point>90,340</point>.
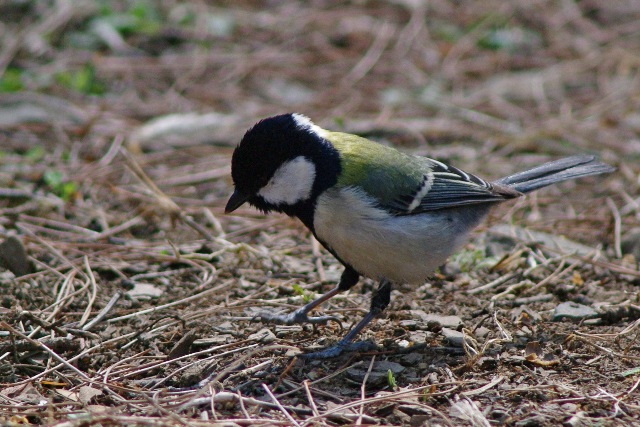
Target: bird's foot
<point>296,317</point>
<point>340,348</point>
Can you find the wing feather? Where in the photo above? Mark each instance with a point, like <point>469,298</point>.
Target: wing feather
<point>404,184</point>
<point>448,187</point>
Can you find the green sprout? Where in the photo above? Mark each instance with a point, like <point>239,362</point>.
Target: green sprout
<point>83,80</point>
<point>391,380</point>
<point>11,80</point>
<point>66,190</point>
<point>306,296</point>
<point>35,153</point>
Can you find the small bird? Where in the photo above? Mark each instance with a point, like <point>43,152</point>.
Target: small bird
<point>384,214</point>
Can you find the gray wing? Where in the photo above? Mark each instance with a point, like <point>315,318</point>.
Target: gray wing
<point>443,186</point>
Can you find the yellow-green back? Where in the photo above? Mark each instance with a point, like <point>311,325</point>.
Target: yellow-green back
<point>383,172</point>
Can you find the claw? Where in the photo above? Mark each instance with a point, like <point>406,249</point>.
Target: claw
<point>340,348</point>
<point>296,317</point>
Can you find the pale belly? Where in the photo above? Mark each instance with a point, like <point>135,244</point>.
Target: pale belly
<point>401,249</point>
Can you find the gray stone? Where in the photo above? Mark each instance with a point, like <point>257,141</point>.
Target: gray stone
<point>409,324</point>
<point>482,332</point>
<point>183,129</point>
<point>263,335</point>
<point>561,244</point>
<point>14,257</point>
<point>452,322</point>
<point>378,374</point>
<point>411,359</point>
<point>145,291</point>
<point>573,311</point>
<point>419,337</point>
<point>453,337</point>
<point>630,243</point>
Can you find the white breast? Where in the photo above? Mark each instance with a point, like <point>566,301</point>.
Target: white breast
<point>402,249</point>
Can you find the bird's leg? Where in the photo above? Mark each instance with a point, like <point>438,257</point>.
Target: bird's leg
<point>300,315</point>
<point>348,279</point>
<point>379,302</point>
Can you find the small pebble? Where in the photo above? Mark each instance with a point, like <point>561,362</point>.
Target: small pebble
<point>573,311</point>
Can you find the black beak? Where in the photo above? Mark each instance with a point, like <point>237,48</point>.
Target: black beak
<point>236,200</point>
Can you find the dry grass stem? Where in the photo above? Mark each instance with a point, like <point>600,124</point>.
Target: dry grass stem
<point>128,297</point>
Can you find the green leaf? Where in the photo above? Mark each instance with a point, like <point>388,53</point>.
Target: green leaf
<point>82,80</point>
<point>142,17</point>
<point>66,190</point>
<point>53,179</point>
<point>306,296</point>
<point>473,259</point>
<point>35,153</point>
<point>631,372</point>
<point>11,80</point>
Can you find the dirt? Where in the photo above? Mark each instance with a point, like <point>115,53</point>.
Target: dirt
<point>128,297</point>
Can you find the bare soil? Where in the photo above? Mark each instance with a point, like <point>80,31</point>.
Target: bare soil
<point>128,297</point>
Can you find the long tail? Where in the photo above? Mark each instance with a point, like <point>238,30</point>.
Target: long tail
<point>555,171</point>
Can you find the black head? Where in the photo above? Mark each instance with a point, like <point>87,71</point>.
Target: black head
<point>283,163</point>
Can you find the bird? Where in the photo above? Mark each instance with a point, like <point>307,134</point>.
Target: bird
<point>384,214</point>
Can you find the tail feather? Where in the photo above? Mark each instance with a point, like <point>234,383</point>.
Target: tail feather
<point>555,171</point>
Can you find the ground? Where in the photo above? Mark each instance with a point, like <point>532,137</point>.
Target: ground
<point>128,297</point>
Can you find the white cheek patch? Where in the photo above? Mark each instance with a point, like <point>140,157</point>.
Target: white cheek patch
<point>291,183</point>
